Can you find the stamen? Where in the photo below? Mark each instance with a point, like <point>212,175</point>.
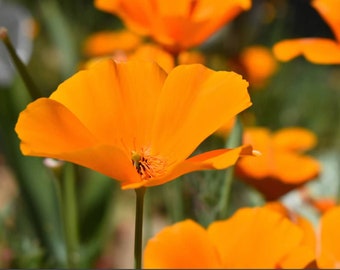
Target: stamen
<point>148,166</point>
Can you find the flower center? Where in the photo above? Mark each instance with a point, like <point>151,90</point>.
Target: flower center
<point>148,166</point>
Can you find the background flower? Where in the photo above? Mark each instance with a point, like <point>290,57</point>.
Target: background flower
<point>281,167</point>
<point>177,25</point>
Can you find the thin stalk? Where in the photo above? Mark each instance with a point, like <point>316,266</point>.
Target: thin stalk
<point>139,226</point>
<point>33,90</point>
<point>234,140</point>
<point>70,216</point>
<point>177,200</point>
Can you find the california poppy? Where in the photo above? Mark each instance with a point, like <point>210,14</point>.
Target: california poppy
<point>252,238</point>
<point>316,49</point>
<point>281,166</point>
<point>134,122</point>
<point>176,24</point>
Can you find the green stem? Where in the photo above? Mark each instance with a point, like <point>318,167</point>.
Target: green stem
<point>177,205</point>
<point>234,140</point>
<point>70,216</point>
<point>29,83</point>
<point>225,196</point>
<point>139,226</point>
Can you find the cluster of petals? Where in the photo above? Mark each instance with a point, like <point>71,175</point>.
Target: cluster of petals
<point>134,122</point>
<point>253,238</point>
<point>321,237</point>
<point>175,24</point>
<point>281,166</point>
<point>268,237</point>
<point>315,49</point>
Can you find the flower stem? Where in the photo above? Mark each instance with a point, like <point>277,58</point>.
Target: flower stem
<point>139,226</point>
<point>29,83</point>
<point>70,216</point>
<point>234,140</point>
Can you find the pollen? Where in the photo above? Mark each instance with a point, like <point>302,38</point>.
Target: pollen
<point>148,166</point>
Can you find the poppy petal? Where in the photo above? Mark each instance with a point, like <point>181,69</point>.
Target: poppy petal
<point>208,99</point>
<point>107,5</point>
<point>294,138</point>
<point>194,24</point>
<point>298,258</point>
<point>316,50</point>
<point>268,233</point>
<point>137,14</point>
<point>329,257</point>
<point>294,168</point>
<point>115,101</point>
<point>47,128</point>
<point>329,10</point>
<point>108,42</point>
<point>183,245</point>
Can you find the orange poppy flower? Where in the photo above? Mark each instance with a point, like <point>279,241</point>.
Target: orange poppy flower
<point>134,122</point>
<point>316,50</point>
<point>176,24</point>
<point>252,238</point>
<point>329,250</point>
<point>281,167</point>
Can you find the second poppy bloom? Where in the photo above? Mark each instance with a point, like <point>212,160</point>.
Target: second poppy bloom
<point>176,24</point>
<point>134,122</point>
<point>281,167</point>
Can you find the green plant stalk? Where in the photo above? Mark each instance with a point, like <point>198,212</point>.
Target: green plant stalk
<point>234,140</point>
<point>70,215</point>
<point>20,66</point>
<point>139,226</point>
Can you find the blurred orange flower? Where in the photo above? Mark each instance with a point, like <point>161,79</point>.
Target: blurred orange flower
<point>328,256</point>
<point>281,167</point>
<point>252,238</point>
<point>134,122</point>
<point>176,24</point>
<point>316,50</point>
<point>259,64</point>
